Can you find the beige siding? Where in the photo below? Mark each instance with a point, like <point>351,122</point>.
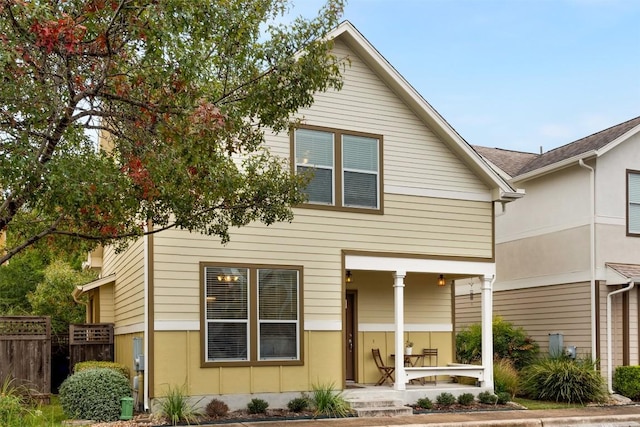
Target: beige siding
<point>314,240</point>
<point>107,309</point>
<point>540,311</point>
<point>129,286</point>
<point>413,156</point>
<point>124,350</point>
<point>616,327</point>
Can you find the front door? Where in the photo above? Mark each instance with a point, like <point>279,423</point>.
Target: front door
<point>350,335</point>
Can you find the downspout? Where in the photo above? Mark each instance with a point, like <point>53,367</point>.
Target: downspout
<point>631,284</point>
<point>592,254</point>
<point>145,384</point>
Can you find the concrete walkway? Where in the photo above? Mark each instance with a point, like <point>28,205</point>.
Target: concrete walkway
<point>601,416</point>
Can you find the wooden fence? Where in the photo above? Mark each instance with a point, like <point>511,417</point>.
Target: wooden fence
<point>90,341</point>
<point>25,352</point>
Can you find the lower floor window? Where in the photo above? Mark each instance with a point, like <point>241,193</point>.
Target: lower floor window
<point>252,313</point>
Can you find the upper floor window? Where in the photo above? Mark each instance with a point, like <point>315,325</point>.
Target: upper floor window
<point>252,315</point>
<point>346,167</point>
<point>633,203</point>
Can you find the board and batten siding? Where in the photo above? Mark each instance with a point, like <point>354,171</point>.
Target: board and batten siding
<point>540,311</point>
<point>128,293</point>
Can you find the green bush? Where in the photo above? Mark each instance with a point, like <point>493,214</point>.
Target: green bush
<point>92,364</point>
<point>445,399</point>
<point>216,408</point>
<point>466,399</point>
<point>298,404</point>
<point>175,406</point>
<point>11,410</point>
<point>94,394</point>
<point>509,342</point>
<point>503,398</point>
<point>505,377</point>
<point>563,380</point>
<point>626,381</point>
<point>487,398</point>
<point>424,403</point>
<point>257,406</point>
<point>327,401</point>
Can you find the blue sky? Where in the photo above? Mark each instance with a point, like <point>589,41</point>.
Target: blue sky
<point>516,74</point>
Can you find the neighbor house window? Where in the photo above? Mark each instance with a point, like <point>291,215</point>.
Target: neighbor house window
<point>346,167</point>
<point>633,203</point>
<point>252,314</point>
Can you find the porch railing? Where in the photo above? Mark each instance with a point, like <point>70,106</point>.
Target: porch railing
<point>452,369</point>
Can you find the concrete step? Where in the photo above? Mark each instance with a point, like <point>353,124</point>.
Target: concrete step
<point>373,403</point>
<point>384,411</point>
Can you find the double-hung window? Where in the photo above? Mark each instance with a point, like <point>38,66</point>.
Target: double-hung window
<point>345,167</point>
<point>633,203</point>
<point>251,314</point>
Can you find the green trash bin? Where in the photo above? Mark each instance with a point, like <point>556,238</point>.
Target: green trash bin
<point>126,408</point>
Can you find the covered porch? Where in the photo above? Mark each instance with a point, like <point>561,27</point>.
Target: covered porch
<point>399,299</point>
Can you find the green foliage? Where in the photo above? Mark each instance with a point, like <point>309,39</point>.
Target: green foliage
<point>509,342</point>
<point>327,401</point>
<point>257,406</point>
<point>424,403</point>
<point>563,380</point>
<point>17,279</point>
<point>505,377</point>
<point>52,296</point>
<point>93,364</point>
<point>94,394</point>
<point>626,381</point>
<point>466,399</point>
<point>181,99</point>
<point>503,398</point>
<point>176,407</point>
<point>445,399</point>
<point>487,398</point>
<point>299,404</point>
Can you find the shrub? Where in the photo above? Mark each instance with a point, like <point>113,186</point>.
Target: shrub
<point>466,399</point>
<point>505,377</point>
<point>298,404</point>
<point>563,380</point>
<point>509,342</point>
<point>503,398</point>
<point>175,406</point>
<point>94,394</point>
<point>626,381</point>
<point>445,399</point>
<point>487,398</point>
<point>424,403</point>
<point>11,410</point>
<point>257,406</point>
<point>92,364</point>
<point>216,408</point>
<point>327,402</point>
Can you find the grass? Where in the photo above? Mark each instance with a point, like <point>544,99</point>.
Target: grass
<point>541,404</point>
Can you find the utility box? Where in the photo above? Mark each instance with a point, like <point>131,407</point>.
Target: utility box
<point>556,345</point>
<point>138,355</point>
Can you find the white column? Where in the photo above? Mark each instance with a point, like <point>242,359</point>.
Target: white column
<point>487,330</point>
<point>398,296</point>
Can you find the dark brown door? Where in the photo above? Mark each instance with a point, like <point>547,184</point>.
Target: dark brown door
<point>350,336</point>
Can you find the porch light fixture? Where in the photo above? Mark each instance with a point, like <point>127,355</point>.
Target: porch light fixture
<point>441,280</point>
<point>347,277</point>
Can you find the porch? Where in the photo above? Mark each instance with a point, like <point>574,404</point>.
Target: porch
<point>411,393</point>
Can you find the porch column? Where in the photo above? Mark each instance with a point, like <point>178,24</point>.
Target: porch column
<point>398,299</point>
<point>487,330</point>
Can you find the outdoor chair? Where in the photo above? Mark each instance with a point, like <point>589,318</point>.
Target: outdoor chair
<point>430,353</point>
<point>385,371</point>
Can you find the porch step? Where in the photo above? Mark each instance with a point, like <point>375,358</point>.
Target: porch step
<point>379,407</point>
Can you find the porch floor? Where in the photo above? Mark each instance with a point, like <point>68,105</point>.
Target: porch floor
<point>413,392</point>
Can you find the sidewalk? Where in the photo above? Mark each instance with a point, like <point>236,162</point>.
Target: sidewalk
<point>610,416</point>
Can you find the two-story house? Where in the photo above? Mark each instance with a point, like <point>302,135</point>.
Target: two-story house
<point>399,207</point>
<point>568,254</point>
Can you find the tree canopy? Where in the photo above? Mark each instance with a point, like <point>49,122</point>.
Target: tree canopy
<point>182,92</point>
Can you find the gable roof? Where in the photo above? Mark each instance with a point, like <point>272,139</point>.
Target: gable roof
<point>348,34</point>
<point>521,165</point>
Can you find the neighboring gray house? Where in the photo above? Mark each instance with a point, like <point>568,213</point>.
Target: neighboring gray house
<point>568,254</point>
